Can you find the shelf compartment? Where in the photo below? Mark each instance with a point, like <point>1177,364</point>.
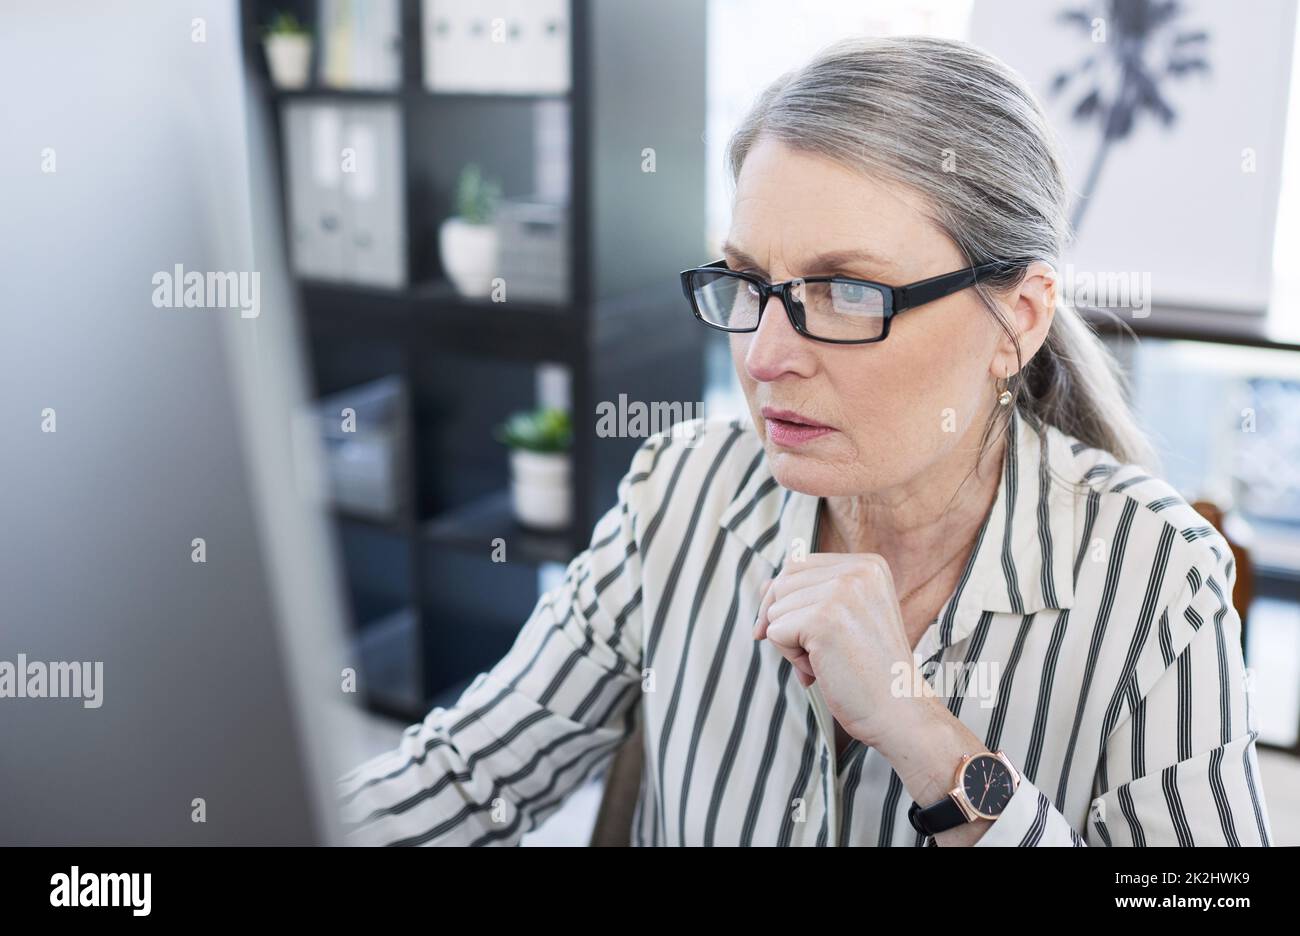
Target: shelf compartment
<point>513,329</point>
<point>435,315</point>
<point>409,94</point>
<point>393,526</point>
<point>475,525</point>
<point>387,657</point>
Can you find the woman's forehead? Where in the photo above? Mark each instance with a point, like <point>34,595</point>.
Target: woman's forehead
<point>793,208</point>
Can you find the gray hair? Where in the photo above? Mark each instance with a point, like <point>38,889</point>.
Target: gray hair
<point>962,129</point>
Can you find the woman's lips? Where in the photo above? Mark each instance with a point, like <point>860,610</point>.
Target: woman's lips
<point>790,429</point>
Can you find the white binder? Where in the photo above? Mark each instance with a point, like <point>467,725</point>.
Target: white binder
<point>345,168</point>
<point>311,133</point>
<point>361,44</point>
<point>379,44</point>
<point>496,46</point>
<point>374,196</point>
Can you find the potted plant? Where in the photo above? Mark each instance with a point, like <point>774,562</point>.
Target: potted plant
<point>467,242</point>
<point>288,51</point>
<point>539,442</point>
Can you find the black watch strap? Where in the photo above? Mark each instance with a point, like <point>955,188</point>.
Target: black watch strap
<point>939,817</point>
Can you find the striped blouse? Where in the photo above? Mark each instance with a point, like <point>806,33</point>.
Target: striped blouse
<point>1091,637</point>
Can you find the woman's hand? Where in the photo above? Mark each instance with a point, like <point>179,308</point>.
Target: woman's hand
<point>836,618</point>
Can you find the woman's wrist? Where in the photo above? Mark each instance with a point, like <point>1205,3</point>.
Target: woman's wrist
<point>924,749</point>
<point>924,746</point>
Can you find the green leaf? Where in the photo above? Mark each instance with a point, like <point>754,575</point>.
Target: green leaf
<point>546,429</point>
<point>286,24</point>
<point>476,197</point>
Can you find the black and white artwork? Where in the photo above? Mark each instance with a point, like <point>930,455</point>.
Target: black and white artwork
<point>1172,118</point>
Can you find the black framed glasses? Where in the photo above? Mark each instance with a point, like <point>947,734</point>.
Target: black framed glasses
<point>836,309</point>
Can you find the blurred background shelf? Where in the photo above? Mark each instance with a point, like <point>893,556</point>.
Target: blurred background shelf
<point>430,608</point>
<point>1188,324</point>
<point>408,95</point>
<point>394,527</point>
<point>385,655</point>
<point>513,329</point>
<point>435,315</point>
<point>485,520</point>
<point>321,91</point>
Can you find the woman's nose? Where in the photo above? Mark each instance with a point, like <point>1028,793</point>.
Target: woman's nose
<point>776,348</point>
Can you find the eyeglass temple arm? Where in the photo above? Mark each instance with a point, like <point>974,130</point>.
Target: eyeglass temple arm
<point>936,287</point>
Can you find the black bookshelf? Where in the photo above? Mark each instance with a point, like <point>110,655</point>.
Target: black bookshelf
<point>480,521</point>
<point>637,80</point>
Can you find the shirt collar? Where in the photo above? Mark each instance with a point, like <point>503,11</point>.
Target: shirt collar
<point>1023,561</point>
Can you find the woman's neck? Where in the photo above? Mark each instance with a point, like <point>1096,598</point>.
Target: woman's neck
<point>921,526</point>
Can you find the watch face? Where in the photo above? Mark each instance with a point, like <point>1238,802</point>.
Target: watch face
<point>988,786</point>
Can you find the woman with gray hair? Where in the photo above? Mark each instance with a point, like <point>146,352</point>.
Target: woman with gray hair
<point>1002,628</point>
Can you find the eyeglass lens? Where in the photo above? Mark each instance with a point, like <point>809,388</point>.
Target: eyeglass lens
<point>838,310</point>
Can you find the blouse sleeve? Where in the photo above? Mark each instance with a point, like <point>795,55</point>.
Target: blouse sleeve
<point>1182,768</point>
<point>530,731</point>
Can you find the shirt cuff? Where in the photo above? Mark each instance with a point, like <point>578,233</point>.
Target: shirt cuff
<point>1030,820</point>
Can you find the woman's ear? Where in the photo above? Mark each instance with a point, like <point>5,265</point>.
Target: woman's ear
<point>1030,309</point>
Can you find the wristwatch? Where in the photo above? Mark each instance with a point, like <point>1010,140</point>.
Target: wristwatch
<point>984,784</point>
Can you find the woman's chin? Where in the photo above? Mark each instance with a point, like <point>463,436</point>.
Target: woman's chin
<point>797,471</point>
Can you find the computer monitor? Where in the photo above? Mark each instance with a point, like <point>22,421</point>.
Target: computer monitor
<point>170,624</point>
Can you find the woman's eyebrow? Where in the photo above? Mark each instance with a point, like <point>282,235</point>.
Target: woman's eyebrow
<point>737,257</point>
<point>832,260</point>
<point>839,259</point>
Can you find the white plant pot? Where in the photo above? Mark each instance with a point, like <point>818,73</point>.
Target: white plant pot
<point>289,58</point>
<point>469,256</point>
<point>539,489</point>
